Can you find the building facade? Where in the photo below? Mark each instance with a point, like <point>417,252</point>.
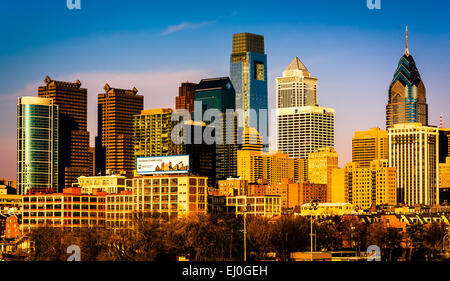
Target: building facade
<point>248,73</point>
<point>112,184</point>
<point>414,151</point>
<point>373,186</point>
<point>37,145</point>
<point>320,166</point>
<point>70,209</point>
<point>217,96</point>
<point>302,130</point>
<point>73,137</point>
<point>270,166</point>
<point>185,98</point>
<point>370,145</point>
<point>407,95</point>
<point>114,144</point>
<point>296,87</point>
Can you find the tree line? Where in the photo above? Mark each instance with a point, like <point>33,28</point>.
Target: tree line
<point>220,238</point>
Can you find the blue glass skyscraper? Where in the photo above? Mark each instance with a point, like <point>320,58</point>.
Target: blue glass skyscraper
<point>248,74</point>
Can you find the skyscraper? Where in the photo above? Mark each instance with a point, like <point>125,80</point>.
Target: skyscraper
<point>185,98</point>
<point>153,137</point>
<point>302,126</point>
<point>296,87</point>
<point>414,151</point>
<point>407,95</point>
<point>370,145</point>
<point>114,144</point>
<point>219,94</point>
<point>248,73</point>
<point>37,145</point>
<point>73,137</point>
<point>302,130</point>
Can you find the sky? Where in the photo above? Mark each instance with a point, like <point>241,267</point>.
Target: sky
<point>156,45</point>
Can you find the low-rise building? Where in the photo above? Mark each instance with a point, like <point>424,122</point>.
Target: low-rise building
<point>70,209</point>
<point>112,184</point>
<point>267,205</point>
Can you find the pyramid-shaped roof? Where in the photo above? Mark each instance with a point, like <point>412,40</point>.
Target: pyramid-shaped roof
<point>296,64</point>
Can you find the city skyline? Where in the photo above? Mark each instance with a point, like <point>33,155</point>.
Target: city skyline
<point>382,44</point>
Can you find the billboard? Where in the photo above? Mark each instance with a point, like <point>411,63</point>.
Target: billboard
<point>162,164</point>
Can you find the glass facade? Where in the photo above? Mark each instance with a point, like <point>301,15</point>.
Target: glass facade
<point>37,145</point>
<point>248,74</point>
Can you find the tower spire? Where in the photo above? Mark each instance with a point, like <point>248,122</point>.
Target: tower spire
<point>406,42</point>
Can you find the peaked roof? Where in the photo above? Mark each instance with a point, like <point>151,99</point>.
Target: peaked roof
<point>296,64</point>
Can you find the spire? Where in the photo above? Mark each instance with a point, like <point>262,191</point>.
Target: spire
<point>406,42</point>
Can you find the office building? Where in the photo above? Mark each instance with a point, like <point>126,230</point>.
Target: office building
<point>153,137</point>
<point>248,73</point>
<point>373,186</point>
<point>302,130</point>
<point>444,182</point>
<point>69,209</point>
<point>73,137</point>
<point>219,94</point>
<point>37,145</point>
<point>296,87</point>
<point>444,144</point>
<point>414,151</point>
<point>320,166</point>
<point>265,205</point>
<point>173,196</point>
<point>270,166</point>
<point>232,187</point>
<point>185,98</point>
<point>370,145</point>
<point>407,95</point>
<point>116,108</point>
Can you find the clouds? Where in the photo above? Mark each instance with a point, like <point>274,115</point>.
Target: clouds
<point>185,26</point>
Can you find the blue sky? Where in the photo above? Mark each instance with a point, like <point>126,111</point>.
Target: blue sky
<point>156,45</point>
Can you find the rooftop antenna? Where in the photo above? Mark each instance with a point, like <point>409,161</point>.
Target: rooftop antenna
<point>406,42</point>
<point>440,122</point>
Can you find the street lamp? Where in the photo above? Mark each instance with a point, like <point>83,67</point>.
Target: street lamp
<point>247,207</point>
<point>313,207</point>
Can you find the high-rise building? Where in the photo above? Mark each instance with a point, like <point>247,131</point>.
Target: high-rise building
<point>37,145</point>
<point>270,166</point>
<point>444,144</point>
<point>296,87</point>
<point>185,99</point>
<point>153,133</point>
<point>116,108</point>
<point>92,161</point>
<point>248,73</point>
<point>153,137</point>
<point>73,137</point>
<point>407,95</point>
<point>444,181</point>
<point>370,145</point>
<point>414,151</point>
<point>320,166</point>
<point>302,130</point>
<point>219,94</point>
<point>373,185</point>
